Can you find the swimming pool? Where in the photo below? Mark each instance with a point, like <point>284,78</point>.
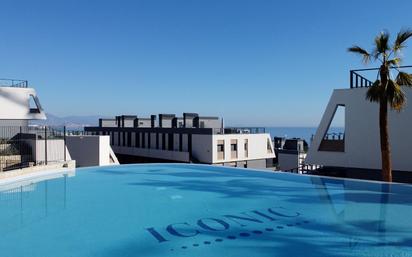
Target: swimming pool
<point>197,210</point>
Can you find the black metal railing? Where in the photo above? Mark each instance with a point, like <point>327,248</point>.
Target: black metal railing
<point>13,83</point>
<point>240,130</point>
<point>358,81</point>
<point>26,146</point>
<point>334,136</point>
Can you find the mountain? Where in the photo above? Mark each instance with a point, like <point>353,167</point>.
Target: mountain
<point>71,122</point>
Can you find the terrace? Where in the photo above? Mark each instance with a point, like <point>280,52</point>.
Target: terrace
<point>360,78</point>
<point>13,83</point>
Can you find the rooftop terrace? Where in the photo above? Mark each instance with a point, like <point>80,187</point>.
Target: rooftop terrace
<point>13,83</point>
<point>366,77</point>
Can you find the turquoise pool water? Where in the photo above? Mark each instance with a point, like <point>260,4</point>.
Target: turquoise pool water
<point>191,210</point>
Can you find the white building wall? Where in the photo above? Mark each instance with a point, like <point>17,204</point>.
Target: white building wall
<point>362,143</point>
<point>15,104</point>
<point>210,123</point>
<point>144,123</point>
<point>204,147</point>
<point>55,150</point>
<point>166,123</point>
<point>109,123</point>
<point>257,147</point>
<point>91,150</point>
<point>128,123</point>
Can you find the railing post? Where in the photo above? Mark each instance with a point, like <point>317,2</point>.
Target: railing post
<point>351,79</point>
<point>64,140</point>
<point>45,145</point>
<point>20,149</point>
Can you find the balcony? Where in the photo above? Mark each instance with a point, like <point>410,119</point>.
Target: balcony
<point>358,78</point>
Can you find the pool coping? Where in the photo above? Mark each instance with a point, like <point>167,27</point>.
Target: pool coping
<point>254,170</point>
<point>31,177</point>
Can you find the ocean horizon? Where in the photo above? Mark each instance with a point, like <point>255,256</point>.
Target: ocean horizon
<point>297,132</point>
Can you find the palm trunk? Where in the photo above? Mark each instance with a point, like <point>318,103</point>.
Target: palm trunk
<point>385,147</point>
<point>384,130</point>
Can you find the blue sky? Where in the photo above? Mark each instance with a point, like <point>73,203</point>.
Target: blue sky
<point>267,63</point>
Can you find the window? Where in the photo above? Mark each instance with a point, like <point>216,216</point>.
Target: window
<point>233,148</point>
<point>220,149</point>
<point>34,105</point>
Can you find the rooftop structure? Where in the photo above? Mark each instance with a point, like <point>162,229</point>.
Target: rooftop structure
<point>18,103</point>
<point>357,146</point>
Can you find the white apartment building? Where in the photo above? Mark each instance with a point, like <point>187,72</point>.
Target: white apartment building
<point>191,138</point>
<point>23,146</point>
<point>359,146</point>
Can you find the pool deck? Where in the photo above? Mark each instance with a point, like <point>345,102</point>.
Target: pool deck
<point>36,170</point>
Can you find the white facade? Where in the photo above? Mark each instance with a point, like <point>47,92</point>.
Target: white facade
<point>15,104</point>
<point>259,146</point>
<point>18,105</point>
<point>55,150</point>
<point>361,140</point>
<point>91,150</point>
<point>204,148</point>
<point>193,138</point>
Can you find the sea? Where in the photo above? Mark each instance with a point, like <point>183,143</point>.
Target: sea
<point>298,132</point>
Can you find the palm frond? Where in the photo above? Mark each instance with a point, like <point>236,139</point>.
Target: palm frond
<point>374,93</point>
<point>395,95</point>
<point>381,44</point>
<point>394,62</point>
<point>401,38</point>
<point>359,50</point>
<point>404,79</point>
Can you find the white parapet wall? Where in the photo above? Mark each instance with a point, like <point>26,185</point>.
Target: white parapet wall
<point>55,150</point>
<point>361,141</point>
<point>91,150</point>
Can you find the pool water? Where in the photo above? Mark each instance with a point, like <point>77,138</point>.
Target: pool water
<point>197,210</point>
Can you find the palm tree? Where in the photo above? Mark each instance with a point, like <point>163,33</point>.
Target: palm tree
<point>386,90</point>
